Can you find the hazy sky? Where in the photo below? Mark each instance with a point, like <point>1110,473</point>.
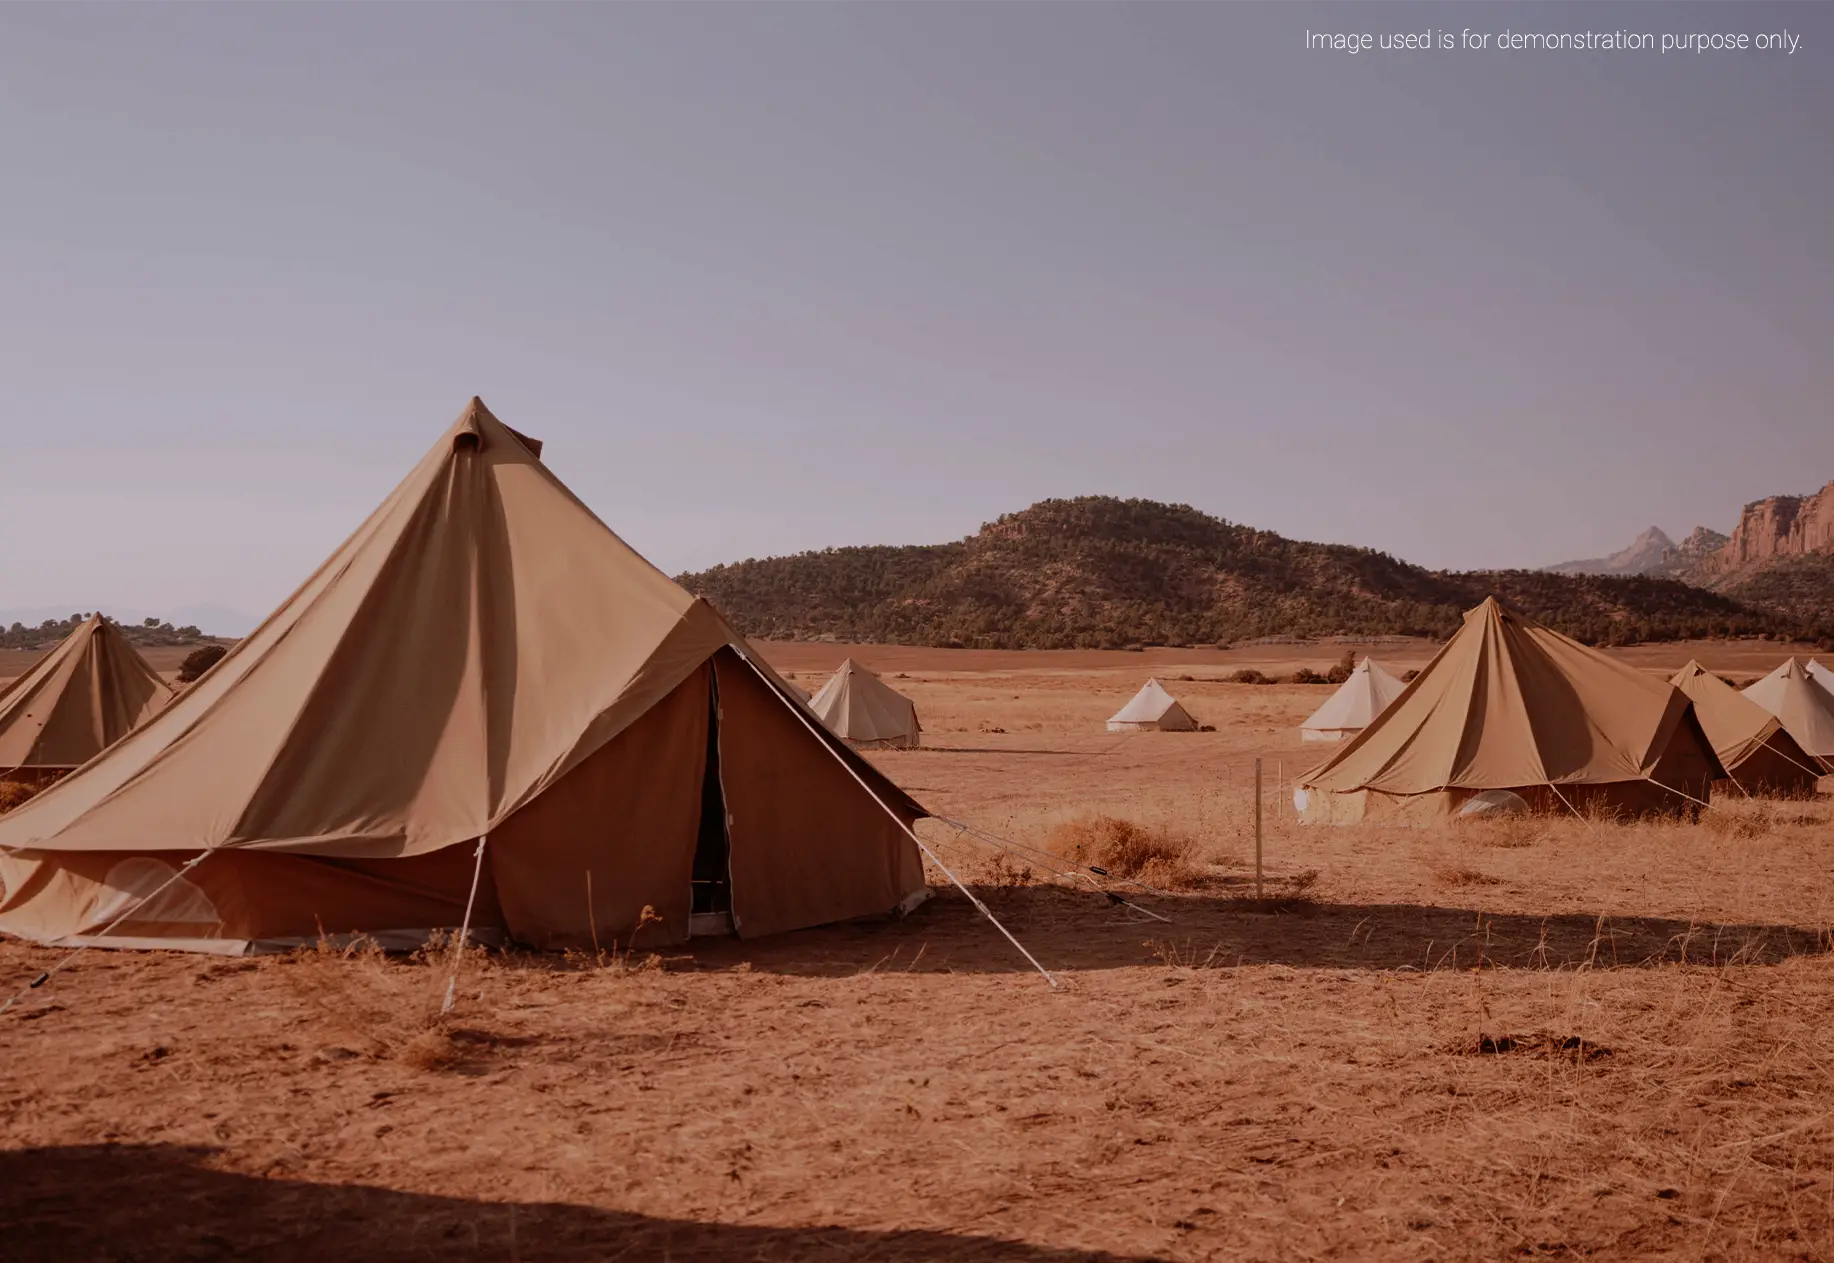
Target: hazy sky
<point>776,276</point>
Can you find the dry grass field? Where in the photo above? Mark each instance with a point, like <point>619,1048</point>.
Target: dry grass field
<point>1541,1037</point>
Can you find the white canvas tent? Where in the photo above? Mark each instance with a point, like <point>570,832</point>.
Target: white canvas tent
<point>1152,709</point>
<point>864,711</point>
<point>1806,708</point>
<point>1354,706</point>
<point>1821,675</point>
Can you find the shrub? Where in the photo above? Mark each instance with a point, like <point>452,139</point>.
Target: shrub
<point>12,793</point>
<point>1248,675</point>
<point>1305,675</point>
<point>1342,669</point>
<point>1123,848</point>
<point>199,661</point>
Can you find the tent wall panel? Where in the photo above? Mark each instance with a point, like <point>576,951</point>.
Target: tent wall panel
<point>808,845</point>
<point>629,815</point>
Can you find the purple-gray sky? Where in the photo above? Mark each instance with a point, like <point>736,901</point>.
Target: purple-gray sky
<point>771,277</point>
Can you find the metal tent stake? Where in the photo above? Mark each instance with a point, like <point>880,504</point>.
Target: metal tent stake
<point>1257,828</point>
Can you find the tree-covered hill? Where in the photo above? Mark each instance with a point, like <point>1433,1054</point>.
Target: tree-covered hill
<point>1100,572</point>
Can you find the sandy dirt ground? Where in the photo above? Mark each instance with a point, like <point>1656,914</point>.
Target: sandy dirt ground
<point>1536,1038</point>
<point>165,659</point>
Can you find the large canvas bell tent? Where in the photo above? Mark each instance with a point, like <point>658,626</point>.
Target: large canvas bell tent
<point>1759,755</point>
<point>75,702</point>
<point>1508,704</point>
<point>1152,709</point>
<point>1806,709</point>
<point>1358,700</point>
<point>865,711</point>
<point>482,659</point>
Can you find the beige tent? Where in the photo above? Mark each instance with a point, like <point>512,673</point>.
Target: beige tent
<point>1759,755</point>
<point>1821,675</point>
<point>78,700</point>
<point>482,658</point>
<point>1805,708</point>
<point>1366,694</point>
<point>1507,704</point>
<point>865,711</point>
<point>1152,709</point>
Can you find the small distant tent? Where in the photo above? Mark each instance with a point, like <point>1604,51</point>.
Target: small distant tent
<point>1366,694</point>
<point>865,711</point>
<point>1759,755</point>
<point>1821,675</point>
<point>1152,709</point>
<point>1806,709</point>
<point>1508,704</point>
<point>75,702</point>
<point>484,703</point>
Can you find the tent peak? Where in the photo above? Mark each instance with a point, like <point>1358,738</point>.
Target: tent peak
<point>473,428</point>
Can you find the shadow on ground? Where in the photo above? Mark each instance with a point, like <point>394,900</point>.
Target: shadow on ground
<point>152,1203</point>
<point>1072,932</point>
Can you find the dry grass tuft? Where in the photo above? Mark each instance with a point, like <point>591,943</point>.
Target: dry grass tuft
<point>369,1006</point>
<point>1121,847</point>
<point>1155,856</point>
<point>13,793</point>
<point>1462,875</point>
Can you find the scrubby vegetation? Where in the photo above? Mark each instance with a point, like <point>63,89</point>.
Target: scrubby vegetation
<point>199,661</point>
<point>1104,573</point>
<point>1800,587</point>
<point>148,633</point>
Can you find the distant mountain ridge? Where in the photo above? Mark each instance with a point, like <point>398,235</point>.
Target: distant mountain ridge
<point>1652,553</point>
<point>1648,554</point>
<point>1100,572</point>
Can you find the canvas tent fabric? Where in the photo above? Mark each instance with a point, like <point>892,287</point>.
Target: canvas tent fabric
<point>1805,708</point>
<point>1152,709</point>
<point>76,701</point>
<point>482,657</point>
<point>865,711</point>
<point>1508,704</point>
<point>1759,755</point>
<point>1355,704</point>
<point>1821,675</point>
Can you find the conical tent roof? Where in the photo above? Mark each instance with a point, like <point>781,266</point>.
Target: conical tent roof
<point>476,639</point>
<point>1152,706</point>
<point>77,700</point>
<point>1821,675</point>
<point>1507,704</point>
<point>1806,709</point>
<point>859,707</point>
<point>1737,726</point>
<point>1358,700</point>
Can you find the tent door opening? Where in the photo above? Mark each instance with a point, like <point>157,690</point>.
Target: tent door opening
<point>710,911</point>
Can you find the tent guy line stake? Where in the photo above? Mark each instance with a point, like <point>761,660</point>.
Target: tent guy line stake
<point>745,657</point>
<point>58,968</point>
<point>1258,797</point>
<point>458,952</point>
<point>1570,807</point>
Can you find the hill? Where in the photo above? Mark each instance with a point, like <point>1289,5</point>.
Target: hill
<point>1099,572</point>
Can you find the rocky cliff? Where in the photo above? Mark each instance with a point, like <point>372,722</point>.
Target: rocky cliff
<point>1775,527</point>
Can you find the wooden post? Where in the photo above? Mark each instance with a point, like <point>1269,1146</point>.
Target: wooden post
<point>1257,828</point>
